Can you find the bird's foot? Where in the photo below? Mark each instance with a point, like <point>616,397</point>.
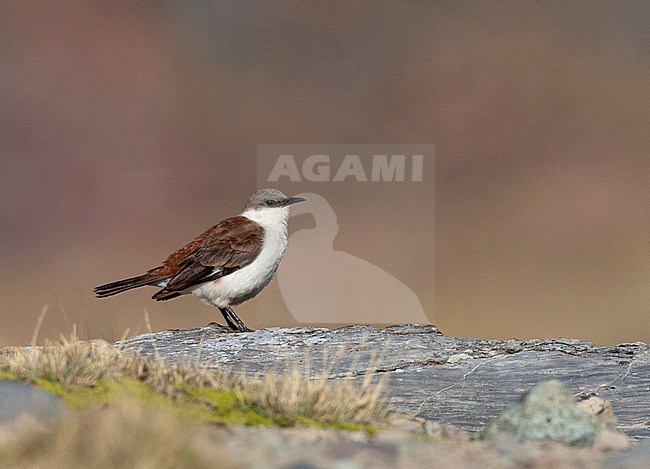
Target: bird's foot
<point>238,326</point>
<point>216,325</point>
<point>235,324</point>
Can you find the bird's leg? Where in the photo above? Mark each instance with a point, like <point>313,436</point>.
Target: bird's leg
<point>233,320</point>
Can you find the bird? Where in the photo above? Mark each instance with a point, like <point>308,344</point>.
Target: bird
<point>229,263</point>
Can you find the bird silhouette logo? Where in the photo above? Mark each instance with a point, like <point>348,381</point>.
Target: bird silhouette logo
<point>335,286</point>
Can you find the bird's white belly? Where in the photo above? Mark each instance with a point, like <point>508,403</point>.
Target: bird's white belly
<point>247,282</point>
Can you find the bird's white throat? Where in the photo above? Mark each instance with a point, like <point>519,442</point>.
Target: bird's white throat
<point>269,218</point>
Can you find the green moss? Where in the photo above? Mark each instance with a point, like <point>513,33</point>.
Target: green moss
<point>223,406</point>
<point>8,376</point>
<point>346,426</point>
<point>101,393</point>
<point>213,405</point>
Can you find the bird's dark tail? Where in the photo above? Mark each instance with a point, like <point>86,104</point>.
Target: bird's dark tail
<point>120,286</point>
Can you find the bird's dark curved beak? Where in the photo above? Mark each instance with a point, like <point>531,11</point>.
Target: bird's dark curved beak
<point>292,200</point>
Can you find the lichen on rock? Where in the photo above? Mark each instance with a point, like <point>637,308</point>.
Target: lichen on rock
<point>548,411</point>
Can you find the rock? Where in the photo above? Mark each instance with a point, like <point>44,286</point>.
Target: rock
<point>404,424</point>
<point>467,391</point>
<point>600,411</point>
<point>635,458</point>
<point>611,440</point>
<point>442,431</point>
<point>546,412</point>
<point>18,399</point>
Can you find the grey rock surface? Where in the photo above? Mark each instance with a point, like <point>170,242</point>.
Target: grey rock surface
<point>460,381</point>
<point>18,399</point>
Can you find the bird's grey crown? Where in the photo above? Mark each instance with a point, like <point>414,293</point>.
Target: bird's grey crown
<point>265,198</point>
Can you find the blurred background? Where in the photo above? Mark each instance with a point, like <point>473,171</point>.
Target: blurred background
<point>127,128</point>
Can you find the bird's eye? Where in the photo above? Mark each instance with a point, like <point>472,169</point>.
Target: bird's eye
<point>270,203</point>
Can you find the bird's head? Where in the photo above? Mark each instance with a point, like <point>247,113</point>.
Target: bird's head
<point>269,206</point>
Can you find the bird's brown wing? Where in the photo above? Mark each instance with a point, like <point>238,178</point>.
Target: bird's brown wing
<point>225,248</point>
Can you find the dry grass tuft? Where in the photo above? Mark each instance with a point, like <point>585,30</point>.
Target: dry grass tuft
<point>72,362</point>
<point>290,396</point>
